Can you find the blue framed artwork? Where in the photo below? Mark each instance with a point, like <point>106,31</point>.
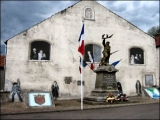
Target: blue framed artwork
<point>152,92</point>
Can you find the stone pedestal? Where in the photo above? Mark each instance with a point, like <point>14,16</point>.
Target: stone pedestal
<point>4,95</point>
<point>105,83</point>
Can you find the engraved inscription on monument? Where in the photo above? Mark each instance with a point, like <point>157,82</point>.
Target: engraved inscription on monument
<point>109,81</point>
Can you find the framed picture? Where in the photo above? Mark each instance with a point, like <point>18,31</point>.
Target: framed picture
<point>40,50</point>
<point>38,99</point>
<point>136,56</point>
<point>152,92</point>
<point>94,50</point>
<point>149,79</point>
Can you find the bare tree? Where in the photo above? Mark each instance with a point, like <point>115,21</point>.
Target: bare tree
<point>154,31</point>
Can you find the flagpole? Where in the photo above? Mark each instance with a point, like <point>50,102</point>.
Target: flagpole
<point>82,76</point>
<point>81,82</point>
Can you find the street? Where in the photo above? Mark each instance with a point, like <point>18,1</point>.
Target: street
<point>146,111</point>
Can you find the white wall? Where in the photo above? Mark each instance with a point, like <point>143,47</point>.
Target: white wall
<point>62,31</point>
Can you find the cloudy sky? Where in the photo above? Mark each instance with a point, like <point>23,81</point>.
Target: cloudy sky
<point>17,16</point>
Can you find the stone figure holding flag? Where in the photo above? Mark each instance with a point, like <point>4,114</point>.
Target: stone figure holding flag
<point>106,51</point>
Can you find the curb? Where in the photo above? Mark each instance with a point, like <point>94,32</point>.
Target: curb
<point>77,109</point>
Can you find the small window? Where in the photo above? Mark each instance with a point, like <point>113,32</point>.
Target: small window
<point>136,56</point>
<point>93,49</point>
<point>40,50</point>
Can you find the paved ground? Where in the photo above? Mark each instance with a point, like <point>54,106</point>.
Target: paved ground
<point>145,111</point>
<point>66,105</point>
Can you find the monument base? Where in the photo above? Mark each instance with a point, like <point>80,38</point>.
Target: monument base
<point>94,100</point>
<point>99,97</point>
<point>103,93</point>
<point>105,83</point>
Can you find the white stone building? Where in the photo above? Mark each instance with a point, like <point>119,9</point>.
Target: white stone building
<point>58,37</point>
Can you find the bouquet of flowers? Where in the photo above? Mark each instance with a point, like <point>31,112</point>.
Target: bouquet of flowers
<point>122,97</point>
<point>110,98</point>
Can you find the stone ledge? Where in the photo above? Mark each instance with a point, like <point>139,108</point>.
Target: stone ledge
<point>4,96</point>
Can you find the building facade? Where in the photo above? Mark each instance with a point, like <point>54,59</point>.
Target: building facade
<point>48,51</point>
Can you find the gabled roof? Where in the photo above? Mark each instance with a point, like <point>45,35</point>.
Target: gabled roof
<point>2,61</point>
<point>71,6</point>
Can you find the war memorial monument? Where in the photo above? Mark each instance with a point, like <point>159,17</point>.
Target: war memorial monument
<point>106,77</point>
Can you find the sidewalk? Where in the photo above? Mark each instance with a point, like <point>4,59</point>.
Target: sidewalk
<point>66,105</point>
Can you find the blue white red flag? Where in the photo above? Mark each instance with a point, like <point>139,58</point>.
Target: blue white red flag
<point>91,58</point>
<point>81,41</point>
<point>115,63</point>
<point>84,64</point>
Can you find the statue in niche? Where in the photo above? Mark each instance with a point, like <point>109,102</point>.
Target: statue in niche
<point>88,13</point>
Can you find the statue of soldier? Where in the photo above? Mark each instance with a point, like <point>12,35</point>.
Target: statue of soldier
<point>106,51</point>
<point>16,90</point>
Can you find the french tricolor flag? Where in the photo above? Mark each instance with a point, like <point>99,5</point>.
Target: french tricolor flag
<point>115,63</point>
<point>84,64</point>
<point>91,58</point>
<point>81,41</point>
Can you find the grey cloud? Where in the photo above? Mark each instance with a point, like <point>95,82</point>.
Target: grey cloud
<point>16,16</point>
<point>112,7</point>
<point>3,50</point>
<point>3,47</point>
<point>145,17</point>
<point>138,13</point>
<point>19,15</point>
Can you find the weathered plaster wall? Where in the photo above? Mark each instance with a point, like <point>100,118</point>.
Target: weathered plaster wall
<point>62,32</point>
